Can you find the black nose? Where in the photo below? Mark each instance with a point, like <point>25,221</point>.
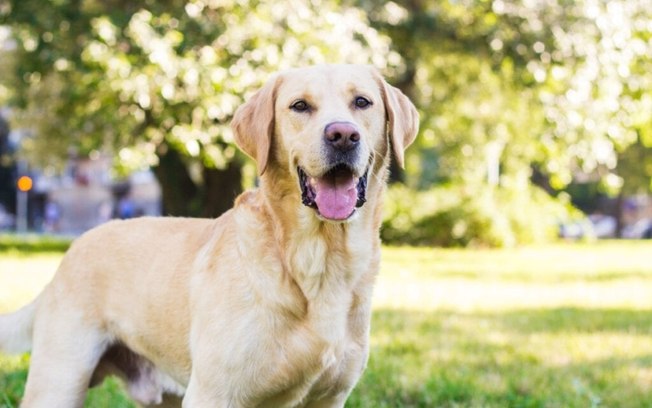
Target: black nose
<point>343,136</point>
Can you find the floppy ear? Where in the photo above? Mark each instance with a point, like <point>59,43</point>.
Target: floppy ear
<point>253,124</point>
<point>402,117</point>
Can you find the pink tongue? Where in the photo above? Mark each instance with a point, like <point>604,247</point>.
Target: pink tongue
<point>336,198</point>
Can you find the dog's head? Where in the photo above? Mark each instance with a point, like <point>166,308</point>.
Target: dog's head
<point>327,126</point>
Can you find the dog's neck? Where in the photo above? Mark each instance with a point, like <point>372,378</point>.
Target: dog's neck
<point>315,248</point>
<point>326,259</point>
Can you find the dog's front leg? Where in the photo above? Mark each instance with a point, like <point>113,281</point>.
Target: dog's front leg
<point>336,401</point>
<point>206,397</point>
<point>211,384</point>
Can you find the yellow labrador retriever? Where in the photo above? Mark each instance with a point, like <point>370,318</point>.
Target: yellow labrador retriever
<point>268,305</point>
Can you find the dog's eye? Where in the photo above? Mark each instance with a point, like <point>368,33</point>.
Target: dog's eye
<point>361,102</point>
<point>300,106</point>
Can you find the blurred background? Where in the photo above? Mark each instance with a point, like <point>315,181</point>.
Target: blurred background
<point>536,115</point>
<point>534,162</point>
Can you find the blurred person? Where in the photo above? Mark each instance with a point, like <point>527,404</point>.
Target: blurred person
<point>126,208</point>
<point>52,217</point>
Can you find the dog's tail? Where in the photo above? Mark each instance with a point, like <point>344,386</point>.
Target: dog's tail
<point>16,329</point>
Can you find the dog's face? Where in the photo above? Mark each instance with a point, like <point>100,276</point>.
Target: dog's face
<point>326,125</point>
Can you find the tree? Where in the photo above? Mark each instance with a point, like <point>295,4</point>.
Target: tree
<point>157,82</point>
<point>512,92</point>
<point>560,85</point>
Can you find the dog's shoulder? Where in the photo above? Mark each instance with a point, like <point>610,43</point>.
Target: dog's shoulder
<point>250,201</point>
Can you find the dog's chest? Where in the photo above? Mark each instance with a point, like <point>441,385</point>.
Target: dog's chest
<point>304,331</point>
<point>327,278</point>
<point>320,370</point>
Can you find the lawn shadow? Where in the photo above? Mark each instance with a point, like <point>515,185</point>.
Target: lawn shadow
<point>574,319</point>
<point>558,277</point>
<point>450,359</point>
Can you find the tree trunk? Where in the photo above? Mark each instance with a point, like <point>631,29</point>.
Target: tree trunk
<point>407,84</point>
<point>221,187</point>
<point>182,197</point>
<point>619,213</point>
<point>7,170</point>
<point>179,192</point>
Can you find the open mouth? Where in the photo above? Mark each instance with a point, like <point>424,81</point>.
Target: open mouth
<point>336,194</point>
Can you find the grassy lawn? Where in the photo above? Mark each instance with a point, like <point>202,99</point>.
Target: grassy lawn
<point>558,326</point>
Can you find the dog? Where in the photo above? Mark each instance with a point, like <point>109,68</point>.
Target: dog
<point>267,305</point>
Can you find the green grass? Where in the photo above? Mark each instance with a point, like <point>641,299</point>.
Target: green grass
<point>557,326</point>
<point>25,244</point>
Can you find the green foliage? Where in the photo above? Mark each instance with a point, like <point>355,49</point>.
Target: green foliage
<point>635,165</point>
<point>461,216</point>
<point>141,77</point>
<point>155,84</point>
<point>559,86</point>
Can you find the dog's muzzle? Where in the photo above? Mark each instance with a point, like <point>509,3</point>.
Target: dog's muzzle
<point>336,194</point>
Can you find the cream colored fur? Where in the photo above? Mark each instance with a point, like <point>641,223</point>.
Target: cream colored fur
<point>268,305</point>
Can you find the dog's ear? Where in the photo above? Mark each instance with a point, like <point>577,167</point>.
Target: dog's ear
<point>253,124</point>
<point>402,118</point>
